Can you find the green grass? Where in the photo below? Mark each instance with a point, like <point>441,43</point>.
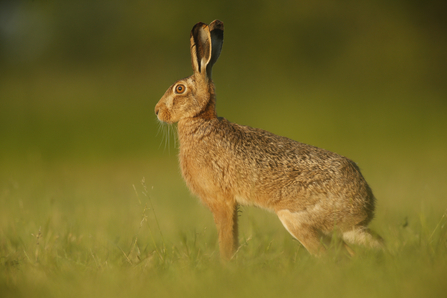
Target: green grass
<point>99,230</point>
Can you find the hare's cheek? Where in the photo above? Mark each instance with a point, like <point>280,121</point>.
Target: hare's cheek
<point>169,103</point>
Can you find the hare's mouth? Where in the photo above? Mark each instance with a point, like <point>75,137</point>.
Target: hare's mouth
<point>163,115</point>
<point>165,118</point>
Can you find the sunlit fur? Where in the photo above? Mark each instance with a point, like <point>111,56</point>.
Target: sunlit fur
<point>313,191</point>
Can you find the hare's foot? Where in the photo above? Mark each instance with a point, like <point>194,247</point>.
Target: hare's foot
<point>364,236</point>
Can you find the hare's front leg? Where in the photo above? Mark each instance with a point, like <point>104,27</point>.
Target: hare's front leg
<point>225,217</point>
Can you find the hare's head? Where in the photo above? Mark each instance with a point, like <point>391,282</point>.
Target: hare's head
<point>194,96</point>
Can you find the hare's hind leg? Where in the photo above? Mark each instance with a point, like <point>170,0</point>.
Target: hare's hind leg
<point>226,216</point>
<point>364,236</point>
<point>308,235</point>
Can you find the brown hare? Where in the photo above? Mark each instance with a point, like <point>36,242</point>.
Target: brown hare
<point>314,192</point>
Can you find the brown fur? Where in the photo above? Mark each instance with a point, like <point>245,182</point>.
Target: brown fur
<point>313,191</point>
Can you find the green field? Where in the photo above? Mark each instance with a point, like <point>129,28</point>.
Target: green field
<point>92,202</point>
<point>95,229</point>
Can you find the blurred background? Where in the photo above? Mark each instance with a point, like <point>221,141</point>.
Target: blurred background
<point>79,81</point>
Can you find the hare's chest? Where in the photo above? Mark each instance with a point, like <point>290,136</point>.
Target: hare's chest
<point>201,172</point>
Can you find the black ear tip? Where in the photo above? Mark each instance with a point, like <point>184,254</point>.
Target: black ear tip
<point>197,26</point>
<point>216,24</point>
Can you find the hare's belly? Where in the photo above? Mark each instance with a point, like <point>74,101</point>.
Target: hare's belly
<point>242,200</point>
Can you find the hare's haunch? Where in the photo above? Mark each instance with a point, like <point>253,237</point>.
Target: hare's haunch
<point>313,191</point>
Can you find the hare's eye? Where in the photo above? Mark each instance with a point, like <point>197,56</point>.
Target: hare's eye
<point>180,88</point>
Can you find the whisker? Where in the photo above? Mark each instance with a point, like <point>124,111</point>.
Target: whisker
<point>168,139</point>
<point>168,132</point>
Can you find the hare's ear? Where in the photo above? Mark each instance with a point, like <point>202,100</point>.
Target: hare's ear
<point>206,44</point>
<point>200,47</point>
<point>216,31</point>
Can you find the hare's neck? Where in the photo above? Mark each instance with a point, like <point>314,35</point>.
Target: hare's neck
<point>193,129</point>
<point>200,126</point>
<point>210,110</point>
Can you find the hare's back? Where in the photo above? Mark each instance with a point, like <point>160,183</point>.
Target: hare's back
<point>283,165</point>
<point>273,152</point>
